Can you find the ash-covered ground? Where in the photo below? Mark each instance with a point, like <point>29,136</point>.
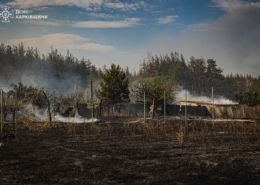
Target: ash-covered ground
<point>123,150</point>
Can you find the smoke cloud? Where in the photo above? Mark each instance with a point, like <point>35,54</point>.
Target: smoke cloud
<point>181,96</point>
<point>40,78</point>
<point>233,40</point>
<point>42,74</point>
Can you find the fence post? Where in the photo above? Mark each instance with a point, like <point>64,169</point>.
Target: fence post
<point>53,108</point>
<point>212,106</point>
<point>164,107</point>
<point>1,112</point>
<point>15,112</point>
<point>144,108</point>
<point>92,105</point>
<point>186,108</point>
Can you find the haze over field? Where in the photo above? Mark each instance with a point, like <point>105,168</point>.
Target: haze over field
<point>122,32</point>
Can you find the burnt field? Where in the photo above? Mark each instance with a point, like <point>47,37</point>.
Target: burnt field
<point>132,152</point>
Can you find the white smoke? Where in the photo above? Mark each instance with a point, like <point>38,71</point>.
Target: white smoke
<point>181,96</point>
<point>42,74</point>
<point>76,119</point>
<point>43,116</point>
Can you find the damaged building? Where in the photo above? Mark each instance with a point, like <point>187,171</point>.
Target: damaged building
<point>231,111</point>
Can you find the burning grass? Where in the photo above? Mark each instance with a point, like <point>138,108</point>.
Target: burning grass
<point>151,152</point>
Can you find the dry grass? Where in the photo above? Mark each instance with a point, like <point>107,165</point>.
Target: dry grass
<point>33,123</point>
<point>201,131</point>
<point>180,135</point>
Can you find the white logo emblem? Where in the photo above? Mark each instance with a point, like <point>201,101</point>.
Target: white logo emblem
<point>5,14</point>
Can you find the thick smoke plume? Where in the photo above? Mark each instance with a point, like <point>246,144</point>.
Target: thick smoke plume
<point>181,96</point>
<point>53,72</point>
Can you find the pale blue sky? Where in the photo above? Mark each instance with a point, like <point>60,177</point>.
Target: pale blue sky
<point>122,32</point>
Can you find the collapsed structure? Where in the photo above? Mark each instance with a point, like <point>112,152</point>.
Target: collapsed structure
<point>232,111</point>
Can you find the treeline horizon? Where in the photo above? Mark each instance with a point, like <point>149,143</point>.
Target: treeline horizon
<point>197,75</point>
<point>63,73</point>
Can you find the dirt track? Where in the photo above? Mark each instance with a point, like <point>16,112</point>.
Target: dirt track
<point>136,153</point>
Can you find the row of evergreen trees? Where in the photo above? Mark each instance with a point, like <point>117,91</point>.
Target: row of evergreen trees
<point>62,73</point>
<point>196,75</point>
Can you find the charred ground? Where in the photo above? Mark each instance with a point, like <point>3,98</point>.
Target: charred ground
<point>120,152</point>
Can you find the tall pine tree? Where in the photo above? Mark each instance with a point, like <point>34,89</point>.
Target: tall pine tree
<point>114,86</point>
